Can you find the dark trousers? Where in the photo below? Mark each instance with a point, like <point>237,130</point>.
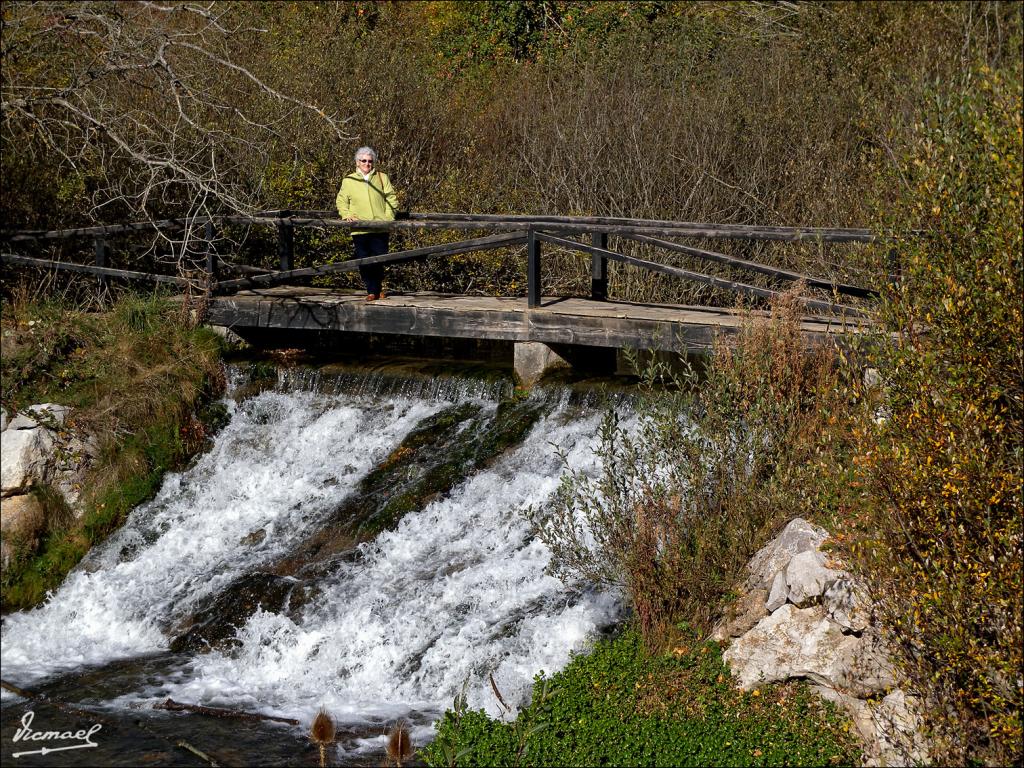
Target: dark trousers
<point>371,244</point>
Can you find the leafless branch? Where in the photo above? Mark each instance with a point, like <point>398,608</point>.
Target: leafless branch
<point>162,105</point>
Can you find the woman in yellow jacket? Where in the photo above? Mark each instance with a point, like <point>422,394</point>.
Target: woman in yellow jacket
<point>367,195</point>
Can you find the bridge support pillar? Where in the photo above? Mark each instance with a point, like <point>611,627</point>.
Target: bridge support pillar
<point>533,359</point>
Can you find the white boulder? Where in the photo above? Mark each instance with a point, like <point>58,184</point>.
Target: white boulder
<point>802,643</point>
<point>848,604</point>
<point>778,594</point>
<point>23,458</point>
<point>49,415</point>
<point>21,522</point>
<point>819,628</point>
<point>21,517</point>
<point>741,615</point>
<point>900,729</point>
<point>807,577</point>
<point>891,729</point>
<point>790,643</point>
<point>798,536</point>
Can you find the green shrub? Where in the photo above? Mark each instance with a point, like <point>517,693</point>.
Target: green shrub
<point>619,706</point>
<point>711,472</point>
<point>938,478</point>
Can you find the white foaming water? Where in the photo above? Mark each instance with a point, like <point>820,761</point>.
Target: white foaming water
<point>454,594</point>
<point>281,464</point>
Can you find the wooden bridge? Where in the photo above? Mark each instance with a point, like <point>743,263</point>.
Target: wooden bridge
<point>246,298</point>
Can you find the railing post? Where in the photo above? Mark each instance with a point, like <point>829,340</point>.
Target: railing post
<point>892,263</point>
<point>102,260</point>
<point>599,268</point>
<point>285,241</point>
<point>532,269</point>
<point>211,256</point>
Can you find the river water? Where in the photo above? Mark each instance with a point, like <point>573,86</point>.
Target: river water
<point>233,587</point>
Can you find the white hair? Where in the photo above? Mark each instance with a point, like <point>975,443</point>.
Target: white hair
<point>366,151</point>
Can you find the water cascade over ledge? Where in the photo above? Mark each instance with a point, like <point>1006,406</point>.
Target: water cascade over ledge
<point>351,545</point>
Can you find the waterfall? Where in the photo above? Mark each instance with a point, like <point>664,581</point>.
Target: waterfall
<point>449,596</point>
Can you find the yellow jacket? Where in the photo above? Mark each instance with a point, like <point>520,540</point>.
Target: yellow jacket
<point>372,200</point>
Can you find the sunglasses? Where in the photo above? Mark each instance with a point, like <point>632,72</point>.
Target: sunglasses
<point>365,160</point>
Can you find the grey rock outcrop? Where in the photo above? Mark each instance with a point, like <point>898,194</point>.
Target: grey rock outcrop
<point>803,643</point>
<point>778,594</point>
<point>742,615</point>
<point>815,624</point>
<point>50,415</point>
<point>36,447</point>
<point>848,604</point>
<point>24,456</point>
<point>892,728</point>
<point>798,536</point>
<point>807,578</point>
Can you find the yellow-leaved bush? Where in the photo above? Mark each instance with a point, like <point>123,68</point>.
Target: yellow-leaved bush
<point>938,457</point>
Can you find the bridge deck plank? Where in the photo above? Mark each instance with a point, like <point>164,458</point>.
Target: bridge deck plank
<point>556,321</point>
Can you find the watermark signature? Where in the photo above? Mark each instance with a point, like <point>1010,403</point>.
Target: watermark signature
<point>27,734</point>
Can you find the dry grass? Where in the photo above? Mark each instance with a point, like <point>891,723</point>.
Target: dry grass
<point>135,378</point>
<point>322,733</point>
<point>399,746</point>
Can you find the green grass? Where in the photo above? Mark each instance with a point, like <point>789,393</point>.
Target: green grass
<point>618,705</point>
<point>141,383</point>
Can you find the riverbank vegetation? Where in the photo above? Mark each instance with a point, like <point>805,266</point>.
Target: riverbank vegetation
<point>935,484</point>
<point>715,467</point>
<point>917,470</point>
<point>141,381</point>
<point>901,117</point>
<point>619,705</point>
<point>731,113</point>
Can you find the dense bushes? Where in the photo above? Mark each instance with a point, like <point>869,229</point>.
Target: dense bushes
<point>709,111</point>
<point>939,475</point>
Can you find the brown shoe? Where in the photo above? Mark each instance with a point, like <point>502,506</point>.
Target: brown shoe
<point>372,297</point>
<point>381,294</point>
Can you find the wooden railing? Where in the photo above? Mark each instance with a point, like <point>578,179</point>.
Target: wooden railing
<point>530,231</point>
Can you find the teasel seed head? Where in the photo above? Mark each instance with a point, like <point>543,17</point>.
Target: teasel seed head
<point>399,746</point>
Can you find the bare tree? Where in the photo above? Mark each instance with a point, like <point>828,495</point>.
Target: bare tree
<point>159,104</point>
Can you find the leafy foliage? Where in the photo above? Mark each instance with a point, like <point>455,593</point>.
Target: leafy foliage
<point>749,113</point>
<point>619,706</point>
<point>939,475</point>
<point>712,469</point>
